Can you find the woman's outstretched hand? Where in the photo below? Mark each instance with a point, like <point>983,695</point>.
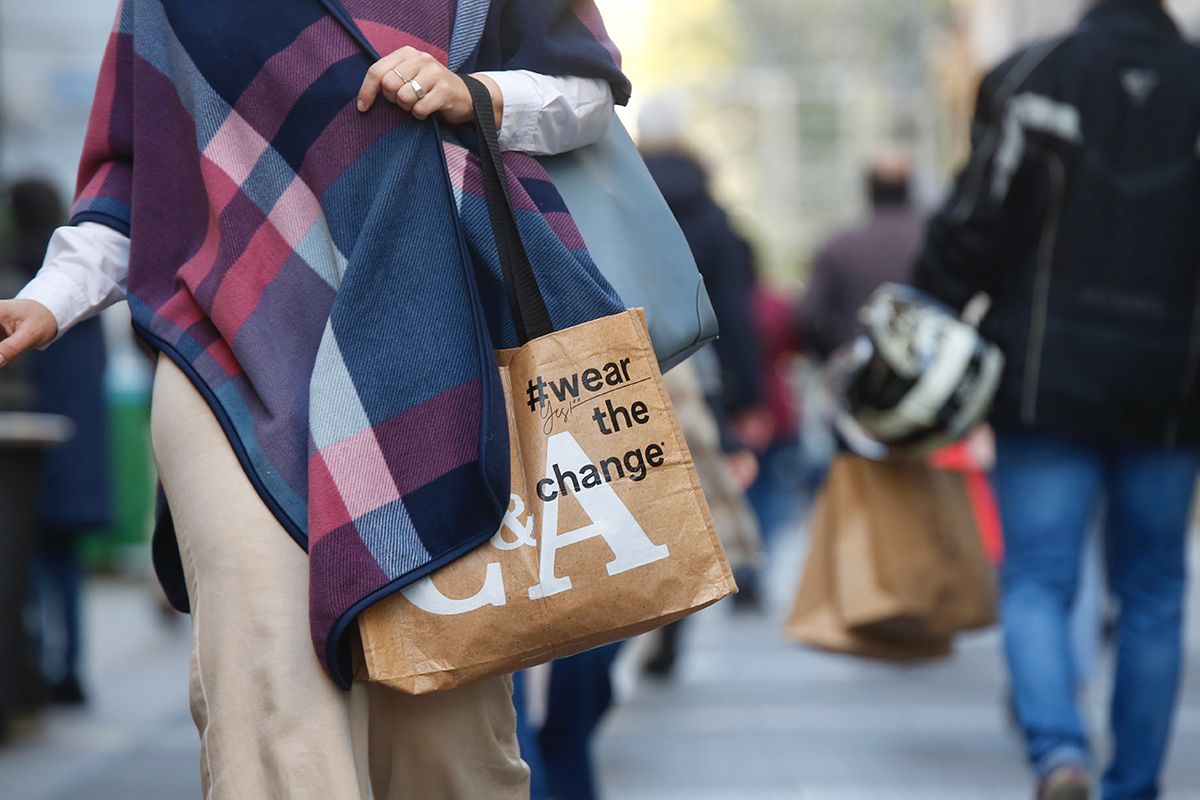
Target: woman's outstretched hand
<point>423,86</point>
<point>25,324</point>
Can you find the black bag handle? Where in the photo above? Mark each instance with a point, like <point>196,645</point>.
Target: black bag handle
<point>524,297</point>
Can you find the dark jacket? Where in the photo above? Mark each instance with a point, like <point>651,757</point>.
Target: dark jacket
<point>74,489</point>
<point>725,262</point>
<point>1079,214</point>
<point>76,493</point>
<point>851,266</point>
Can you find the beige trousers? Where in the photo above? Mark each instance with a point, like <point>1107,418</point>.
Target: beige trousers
<point>271,723</point>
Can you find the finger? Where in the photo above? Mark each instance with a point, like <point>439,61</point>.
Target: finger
<point>413,62</point>
<point>373,80</point>
<point>418,65</point>
<point>392,83</point>
<point>15,344</point>
<point>428,79</point>
<point>436,99</point>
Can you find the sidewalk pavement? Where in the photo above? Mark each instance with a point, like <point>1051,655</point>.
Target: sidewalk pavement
<point>135,739</point>
<point>748,717</point>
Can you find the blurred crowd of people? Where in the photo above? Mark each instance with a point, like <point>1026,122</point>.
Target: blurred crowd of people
<point>740,407</point>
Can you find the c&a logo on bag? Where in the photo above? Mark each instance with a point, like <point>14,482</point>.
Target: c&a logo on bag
<point>611,520</point>
<point>570,472</point>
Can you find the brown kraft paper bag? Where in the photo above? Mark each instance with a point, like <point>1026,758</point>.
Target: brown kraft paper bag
<point>607,533</point>
<point>910,563</point>
<point>815,618</point>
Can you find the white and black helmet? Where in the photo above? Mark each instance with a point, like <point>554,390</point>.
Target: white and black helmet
<point>919,377</point>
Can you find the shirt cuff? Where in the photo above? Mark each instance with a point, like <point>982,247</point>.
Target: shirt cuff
<point>85,271</point>
<point>58,293</point>
<point>545,115</point>
<point>522,107</point>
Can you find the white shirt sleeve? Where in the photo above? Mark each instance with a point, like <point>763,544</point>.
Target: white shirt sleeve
<point>545,115</point>
<point>84,273</point>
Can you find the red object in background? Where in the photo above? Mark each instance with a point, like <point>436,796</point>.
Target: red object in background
<point>774,318</point>
<point>961,458</point>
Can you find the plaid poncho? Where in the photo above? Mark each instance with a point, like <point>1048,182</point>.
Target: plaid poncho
<point>328,278</point>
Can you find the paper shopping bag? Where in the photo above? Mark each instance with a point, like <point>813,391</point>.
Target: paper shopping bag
<point>909,560</point>
<point>607,533</point>
<point>816,619</point>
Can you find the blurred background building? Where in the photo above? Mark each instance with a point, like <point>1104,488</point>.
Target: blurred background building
<point>995,26</point>
<point>49,56</point>
<point>788,97</point>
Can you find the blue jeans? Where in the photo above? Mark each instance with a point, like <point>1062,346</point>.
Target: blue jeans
<point>531,752</point>
<point>774,495</point>
<point>56,587</point>
<point>560,753</point>
<point>1049,490</point>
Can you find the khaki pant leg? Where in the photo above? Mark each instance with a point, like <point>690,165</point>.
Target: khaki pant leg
<point>457,745</point>
<point>272,724</point>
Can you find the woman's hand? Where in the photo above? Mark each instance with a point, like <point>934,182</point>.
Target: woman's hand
<point>25,324</point>
<point>398,76</point>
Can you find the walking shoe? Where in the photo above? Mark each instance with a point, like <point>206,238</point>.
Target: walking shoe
<point>662,662</point>
<point>67,692</point>
<point>748,597</point>
<point>1065,782</point>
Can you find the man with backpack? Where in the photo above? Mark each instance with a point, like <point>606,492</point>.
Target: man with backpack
<point>1079,216</point>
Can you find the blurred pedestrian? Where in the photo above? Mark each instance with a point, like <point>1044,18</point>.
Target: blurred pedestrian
<point>725,468</point>
<point>846,271</point>
<point>309,255</point>
<point>1079,215</point>
<point>578,694</point>
<point>74,496</point>
<point>854,263</point>
<point>775,494</point>
<point>724,258</point>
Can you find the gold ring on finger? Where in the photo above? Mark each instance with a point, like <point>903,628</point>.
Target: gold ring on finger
<point>403,80</point>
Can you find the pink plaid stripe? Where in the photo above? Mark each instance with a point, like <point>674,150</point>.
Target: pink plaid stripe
<point>236,148</point>
<point>223,357</point>
<point>345,139</point>
<point>589,15</point>
<point>326,512</point>
<point>386,39</point>
<point>198,267</point>
<point>432,438</point>
<point>220,187</point>
<point>243,285</point>
<point>94,187</point>
<point>267,100</point>
<point>361,474</point>
<point>465,176</point>
<point>296,211</point>
<point>182,311</point>
<point>564,227</point>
